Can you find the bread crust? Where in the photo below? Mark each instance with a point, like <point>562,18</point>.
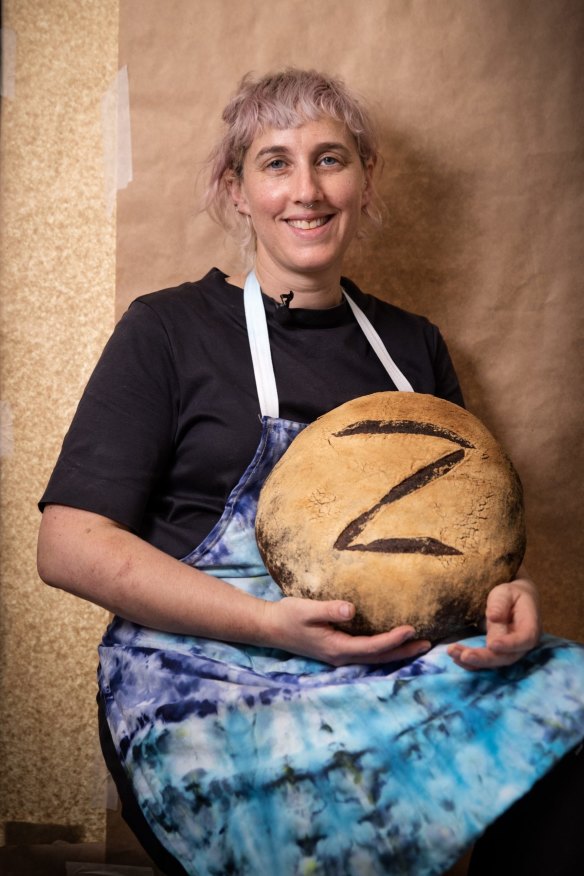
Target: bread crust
<point>401,503</point>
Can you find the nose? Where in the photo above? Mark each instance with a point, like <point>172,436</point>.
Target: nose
<point>307,189</point>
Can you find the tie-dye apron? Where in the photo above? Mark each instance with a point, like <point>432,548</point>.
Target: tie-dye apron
<point>256,762</point>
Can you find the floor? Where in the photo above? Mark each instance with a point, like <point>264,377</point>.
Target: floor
<point>57,853</point>
<point>51,850</point>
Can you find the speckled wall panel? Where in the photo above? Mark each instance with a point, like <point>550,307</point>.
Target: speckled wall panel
<point>58,288</point>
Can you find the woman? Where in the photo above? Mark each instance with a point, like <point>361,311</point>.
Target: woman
<point>246,750</point>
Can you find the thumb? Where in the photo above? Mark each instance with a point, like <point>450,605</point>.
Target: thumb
<point>336,611</point>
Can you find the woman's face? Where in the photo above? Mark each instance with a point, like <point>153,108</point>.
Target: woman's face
<point>284,171</point>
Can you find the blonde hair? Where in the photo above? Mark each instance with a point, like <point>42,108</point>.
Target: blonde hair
<point>285,99</point>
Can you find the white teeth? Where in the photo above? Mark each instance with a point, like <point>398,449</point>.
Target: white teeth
<point>306,224</point>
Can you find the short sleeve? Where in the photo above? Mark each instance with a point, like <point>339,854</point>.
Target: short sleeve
<point>447,384</point>
<point>121,438</point>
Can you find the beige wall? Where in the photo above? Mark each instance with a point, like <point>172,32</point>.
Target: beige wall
<point>58,286</point>
<point>482,135</point>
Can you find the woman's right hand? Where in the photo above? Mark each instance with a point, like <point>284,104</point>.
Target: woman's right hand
<point>308,627</point>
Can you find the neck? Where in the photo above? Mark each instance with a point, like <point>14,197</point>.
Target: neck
<point>311,291</point>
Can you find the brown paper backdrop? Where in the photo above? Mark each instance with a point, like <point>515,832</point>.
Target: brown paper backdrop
<point>481,115</point>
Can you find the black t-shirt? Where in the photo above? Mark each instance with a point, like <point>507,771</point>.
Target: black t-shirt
<point>170,418</point>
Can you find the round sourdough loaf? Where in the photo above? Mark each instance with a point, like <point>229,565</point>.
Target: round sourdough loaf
<point>401,503</point>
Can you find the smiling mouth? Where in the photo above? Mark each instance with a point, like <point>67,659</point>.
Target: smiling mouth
<point>307,224</point>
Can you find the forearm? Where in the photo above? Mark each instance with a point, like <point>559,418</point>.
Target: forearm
<point>94,558</point>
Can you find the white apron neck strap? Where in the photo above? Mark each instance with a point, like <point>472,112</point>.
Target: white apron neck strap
<point>401,382</point>
<point>259,342</point>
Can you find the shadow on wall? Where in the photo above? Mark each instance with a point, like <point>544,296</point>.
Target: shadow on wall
<point>423,258</point>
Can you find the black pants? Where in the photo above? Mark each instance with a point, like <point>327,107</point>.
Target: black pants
<point>131,812</point>
<point>542,834</point>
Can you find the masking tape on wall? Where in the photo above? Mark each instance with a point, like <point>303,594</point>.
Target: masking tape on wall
<point>8,49</point>
<point>117,138</point>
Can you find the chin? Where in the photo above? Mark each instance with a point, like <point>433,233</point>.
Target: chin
<point>313,264</point>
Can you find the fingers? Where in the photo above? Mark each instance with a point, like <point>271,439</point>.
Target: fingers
<point>397,644</point>
<point>499,652</point>
<point>505,644</point>
<point>512,627</point>
<point>339,612</point>
<point>372,654</point>
<point>513,624</point>
<point>512,641</point>
<point>310,629</point>
<point>474,659</point>
<point>500,606</point>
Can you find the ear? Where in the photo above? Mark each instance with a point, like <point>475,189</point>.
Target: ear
<point>368,182</point>
<point>236,189</point>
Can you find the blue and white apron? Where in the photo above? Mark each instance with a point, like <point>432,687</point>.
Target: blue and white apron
<point>256,762</point>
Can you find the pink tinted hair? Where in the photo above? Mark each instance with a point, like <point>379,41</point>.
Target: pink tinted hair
<point>281,100</point>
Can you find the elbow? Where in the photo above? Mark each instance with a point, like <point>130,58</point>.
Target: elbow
<point>47,557</point>
<point>46,571</point>
<point>71,548</point>
<point>58,547</point>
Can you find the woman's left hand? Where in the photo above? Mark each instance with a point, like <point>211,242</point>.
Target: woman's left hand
<point>512,625</point>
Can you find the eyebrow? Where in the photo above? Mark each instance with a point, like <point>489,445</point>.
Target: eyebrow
<point>320,147</point>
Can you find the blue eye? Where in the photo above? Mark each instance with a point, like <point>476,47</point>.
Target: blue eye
<point>276,164</point>
<point>329,160</point>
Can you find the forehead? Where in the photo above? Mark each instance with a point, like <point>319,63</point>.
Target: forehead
<point>307,136</point>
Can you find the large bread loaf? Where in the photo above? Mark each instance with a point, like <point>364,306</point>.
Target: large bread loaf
<point>401,503</point>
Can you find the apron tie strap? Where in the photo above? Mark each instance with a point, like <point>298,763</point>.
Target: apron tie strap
<point>261,354</point>
<point>259,342</point>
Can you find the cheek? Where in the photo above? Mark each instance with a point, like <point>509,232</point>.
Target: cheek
<point>351,197</point>
<point>264,206</point>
